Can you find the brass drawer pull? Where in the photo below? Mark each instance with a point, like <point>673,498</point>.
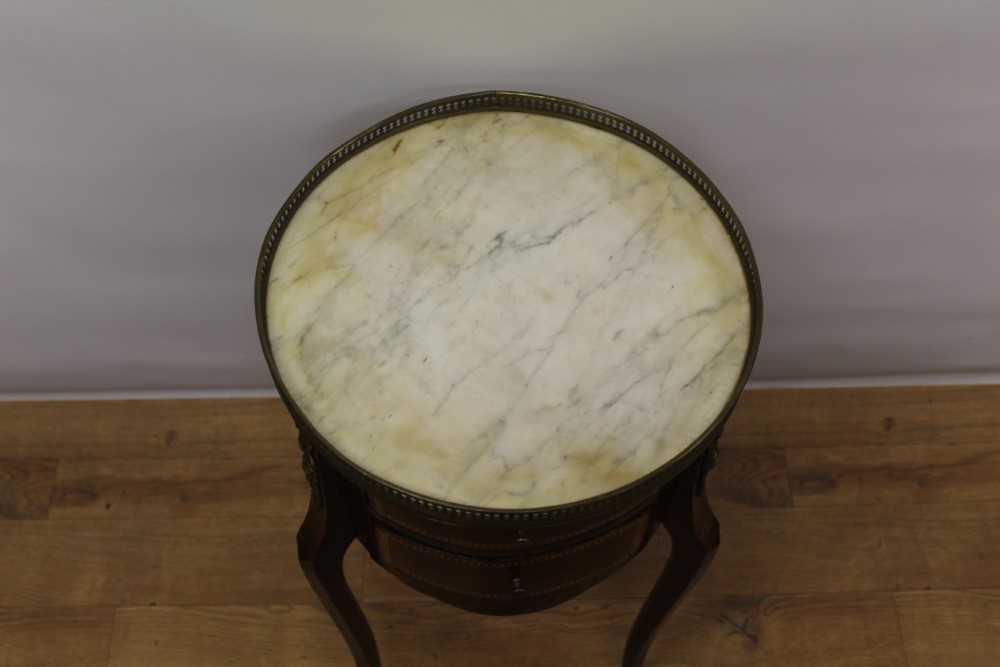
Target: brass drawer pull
<point>515,581</point>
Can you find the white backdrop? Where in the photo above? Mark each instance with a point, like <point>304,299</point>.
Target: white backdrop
<point>145,147</point>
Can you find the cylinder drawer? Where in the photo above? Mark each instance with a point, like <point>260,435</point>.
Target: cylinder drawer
<point>510,584</point>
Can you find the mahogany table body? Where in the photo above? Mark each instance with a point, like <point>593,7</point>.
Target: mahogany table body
<point>503,567</point>
<point>510,329</point>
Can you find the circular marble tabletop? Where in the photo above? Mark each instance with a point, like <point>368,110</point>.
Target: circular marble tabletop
<point>507,310</point>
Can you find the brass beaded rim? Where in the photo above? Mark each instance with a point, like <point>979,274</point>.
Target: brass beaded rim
<point>495,100</point>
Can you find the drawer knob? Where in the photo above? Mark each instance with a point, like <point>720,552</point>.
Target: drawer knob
<point>515,580</point>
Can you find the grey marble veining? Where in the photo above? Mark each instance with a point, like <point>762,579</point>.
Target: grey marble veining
<point>507,310</point>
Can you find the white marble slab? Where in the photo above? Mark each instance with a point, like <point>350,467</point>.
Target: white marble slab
<point>508,310</point>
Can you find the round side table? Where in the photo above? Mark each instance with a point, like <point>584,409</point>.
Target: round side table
<point>510,328</point>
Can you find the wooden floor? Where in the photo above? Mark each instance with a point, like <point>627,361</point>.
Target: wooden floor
<point>859,527</point>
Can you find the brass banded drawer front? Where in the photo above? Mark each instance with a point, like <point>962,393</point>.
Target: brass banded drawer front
<point>573,567</point>
<point>496,539</point>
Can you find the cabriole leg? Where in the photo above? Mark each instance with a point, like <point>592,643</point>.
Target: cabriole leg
<point>327,531</point>
<point>694,532</point>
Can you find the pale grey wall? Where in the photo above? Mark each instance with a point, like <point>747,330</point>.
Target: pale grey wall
<point>144,148</point>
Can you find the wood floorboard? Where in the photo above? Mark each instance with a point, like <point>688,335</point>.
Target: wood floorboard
<point>951,627</point>
<point>158,488</point>
<point>796,418</point>
<point>83,562</point>
<point>218,428</point>
<point>750,478</point>
<point>851,629</point>
<point>960,542</point>
<point>26,488</point>
<point>897,474</point>
<point>55,637</point>
<point>859,527</point>
<point>814,550</point>
<point>254,636</point>
<point>858,630</point>
<point>967,414</point>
